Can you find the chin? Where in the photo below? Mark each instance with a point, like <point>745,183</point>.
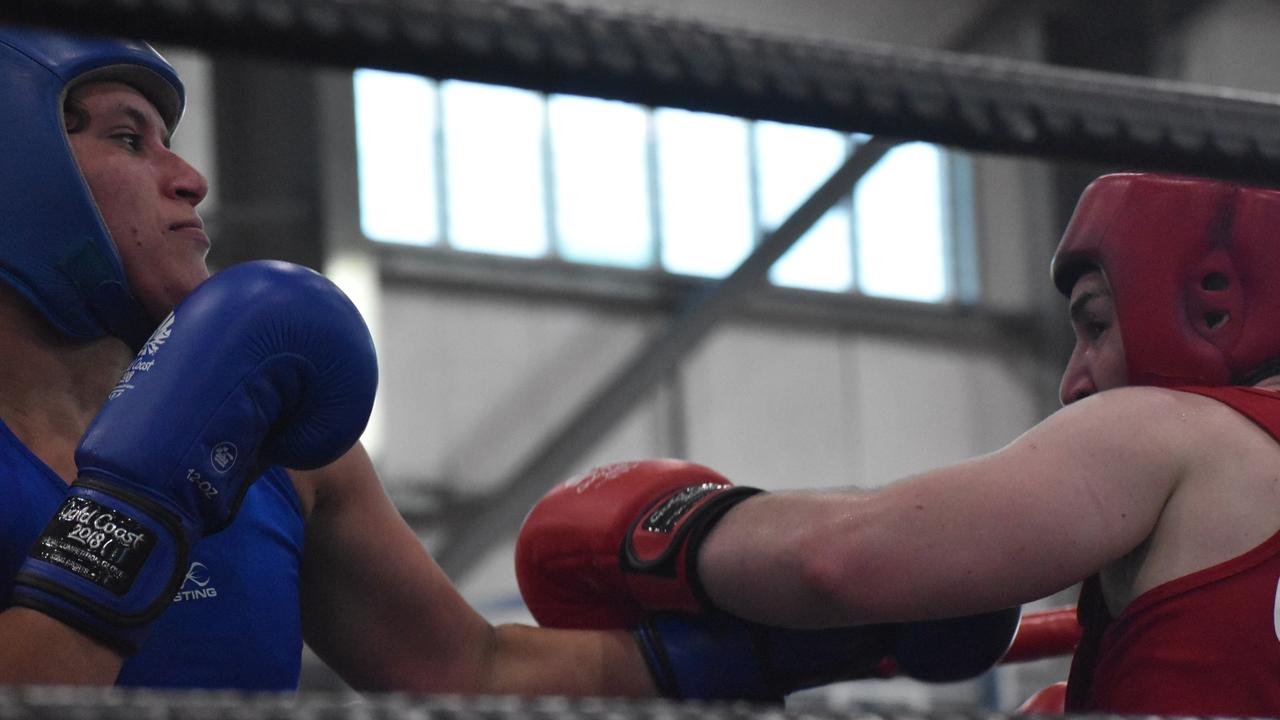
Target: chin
<point>169,299</point>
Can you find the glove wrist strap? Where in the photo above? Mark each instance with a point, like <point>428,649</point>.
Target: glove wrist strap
<point>659,554</point>
<point>108,563</point>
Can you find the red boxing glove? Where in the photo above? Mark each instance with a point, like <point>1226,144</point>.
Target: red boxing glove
<point>607,548</point>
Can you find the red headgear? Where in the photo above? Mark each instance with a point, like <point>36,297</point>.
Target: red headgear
<point>1194,268</point>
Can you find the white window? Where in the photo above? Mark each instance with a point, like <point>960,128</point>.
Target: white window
<point>901,225</point>
<point>704,192</point>
<point>793,160</point>
<point>493,169</point>
<point>483,168</point>
<point>600,181</point>
<point>396,158</point>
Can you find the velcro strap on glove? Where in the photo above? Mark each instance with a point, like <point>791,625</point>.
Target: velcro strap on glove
<point>107,564</point>
<point>659,553</point>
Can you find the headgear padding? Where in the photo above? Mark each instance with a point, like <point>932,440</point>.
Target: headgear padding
<point>1194,269</point>
<point>54,247</point>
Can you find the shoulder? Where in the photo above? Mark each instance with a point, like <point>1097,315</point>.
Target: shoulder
<point>1146,398</point>
<point>1131,445</point>
<point>1143,441</point>
<point>1160,416</point>
<point>1225,499</point>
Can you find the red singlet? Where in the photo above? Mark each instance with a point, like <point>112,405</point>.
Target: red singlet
<point>1207,643</point>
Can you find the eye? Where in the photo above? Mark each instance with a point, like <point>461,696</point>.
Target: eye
<point>129,139</point>
<point>1091,328</point>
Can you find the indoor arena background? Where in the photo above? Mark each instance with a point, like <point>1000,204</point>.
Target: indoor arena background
<point>510,363</point>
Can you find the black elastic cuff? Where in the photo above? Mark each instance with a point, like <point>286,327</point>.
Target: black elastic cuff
<point>701,527</point>
<point>655,657</point>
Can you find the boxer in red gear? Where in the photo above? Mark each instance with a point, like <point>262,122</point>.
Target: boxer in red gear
<point>1157,482</point>
<point>1201,295</point>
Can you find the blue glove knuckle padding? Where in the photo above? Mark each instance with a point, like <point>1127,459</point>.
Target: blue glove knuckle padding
<point>956,648</point>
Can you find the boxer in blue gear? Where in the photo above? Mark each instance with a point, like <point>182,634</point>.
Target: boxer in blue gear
<point>59,257</point>
<point>100,239</point>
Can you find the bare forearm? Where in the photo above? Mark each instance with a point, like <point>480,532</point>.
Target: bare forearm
<point>38,650</point>
<point>823,559</point>
<point>964,539</point>
<point>542,661</point>
<point>762,561</point>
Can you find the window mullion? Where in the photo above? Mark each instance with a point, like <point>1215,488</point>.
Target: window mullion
<point>652,163</point>
<point>442,187</point>
<point>549,190</point>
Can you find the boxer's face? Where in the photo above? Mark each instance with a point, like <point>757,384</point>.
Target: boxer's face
<point>1097,363</point>
<point>147,194</point>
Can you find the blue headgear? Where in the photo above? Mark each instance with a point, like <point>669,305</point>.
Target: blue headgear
<point>54,246</point>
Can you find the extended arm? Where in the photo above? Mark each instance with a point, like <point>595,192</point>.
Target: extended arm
<point>1076,492</point>
<point>380,611</point>
<point>961,546</point>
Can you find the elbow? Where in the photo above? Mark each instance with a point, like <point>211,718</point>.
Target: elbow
<point>839,572</point>
<point>797,560</point>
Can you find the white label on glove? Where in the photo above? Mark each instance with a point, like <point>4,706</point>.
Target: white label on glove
<point>98,543</point>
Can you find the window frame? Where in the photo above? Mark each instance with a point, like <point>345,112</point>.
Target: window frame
<point>600,281</point>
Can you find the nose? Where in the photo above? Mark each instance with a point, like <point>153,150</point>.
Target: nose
<point>185,182</point>
<point>1077,382</point>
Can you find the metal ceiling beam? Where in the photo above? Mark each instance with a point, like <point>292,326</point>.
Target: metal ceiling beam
<point>467,539</point>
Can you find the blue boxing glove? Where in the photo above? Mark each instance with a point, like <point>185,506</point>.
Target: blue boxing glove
<point>719,657</point>
<point>955,649</point>
<point>264,363</point>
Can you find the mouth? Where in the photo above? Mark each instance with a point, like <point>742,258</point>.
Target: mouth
<point>192,228</point>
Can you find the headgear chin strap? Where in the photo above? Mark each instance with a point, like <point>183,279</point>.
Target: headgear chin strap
<point>55,248</point>
<point>1194,269</point>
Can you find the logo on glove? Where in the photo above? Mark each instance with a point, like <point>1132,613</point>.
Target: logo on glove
<point>158,337</point>
<point>598,476</point>
<point>139,365</point>
<point>223,456</point>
